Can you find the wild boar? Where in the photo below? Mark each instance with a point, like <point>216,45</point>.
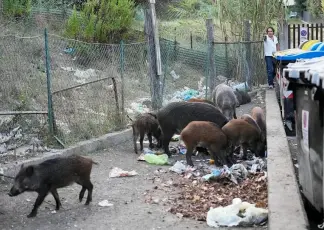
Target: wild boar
<point>52,174</point>
<point>224,98</point>
<point>208,134</point>
<point>241,132</point>
<point>201,100</point>
<point>175,116</point>
<point>146,123</point>
<point>258,115</point>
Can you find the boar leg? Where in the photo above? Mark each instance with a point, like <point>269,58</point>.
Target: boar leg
<point>57,199</point>
<point>245,148</point>
<point>149,137</point>
<point>89,186</point>
<point>135,136</point>
<point>81,194</point>
<point>189,155</point>
<point>39,200</point>
<point>166,140</point>
<point>234,115</point>
<point>142,134</point>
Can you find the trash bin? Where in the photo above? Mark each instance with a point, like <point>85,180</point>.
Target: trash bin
<point>308,49</point>
<point>306,80</point>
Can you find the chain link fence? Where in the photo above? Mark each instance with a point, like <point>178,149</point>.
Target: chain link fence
<point>93,84</point>
<point>23,91</point>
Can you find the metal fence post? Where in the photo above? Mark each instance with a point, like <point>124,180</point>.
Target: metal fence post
<point>49,87</point>
<point>169,47</point>
<point>211,54</point>
<point>247,27</point>
<point>122,68</point>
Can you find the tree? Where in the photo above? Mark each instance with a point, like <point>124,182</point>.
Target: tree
<point>16,8</point>
<point>102,21</point>
<point>301,5</point>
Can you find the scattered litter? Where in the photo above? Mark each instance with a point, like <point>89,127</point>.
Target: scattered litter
<point>105,203</point>
<point>235,173</point>
<point>242,86</point>
<point>175,137</point>
<point>158,171</point>
<point>141,157</point>
<point>147,151</point>
<point>156,159</point>
<point>174,75</point>
<point>179,215</point>
<point>118,172</point>
<point>182,149</point>
<point>178,167</point>
<point>296,165</point>
<point>53,212</point>
<point>235,214</point>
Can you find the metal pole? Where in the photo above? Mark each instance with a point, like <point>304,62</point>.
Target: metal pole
<point>49,84</point>
<point>122,66</point>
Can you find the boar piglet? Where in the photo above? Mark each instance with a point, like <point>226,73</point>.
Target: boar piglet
<point>224,98</point>
<point>146,123</point>
<point>241,132</point>
<point>258,115</point>
<point>175,116</point>
<point>52,174</point>
<point>201,100</point>
<point>208,134</point>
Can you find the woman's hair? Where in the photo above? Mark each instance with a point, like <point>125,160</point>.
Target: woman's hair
<point>270,27</point>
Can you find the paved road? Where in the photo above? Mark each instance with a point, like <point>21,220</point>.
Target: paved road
<point>127,194</point>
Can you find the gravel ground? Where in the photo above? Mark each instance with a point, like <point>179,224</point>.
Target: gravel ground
<point>128,195</point>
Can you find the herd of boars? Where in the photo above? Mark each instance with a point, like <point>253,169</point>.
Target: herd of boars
<point>211,124</point>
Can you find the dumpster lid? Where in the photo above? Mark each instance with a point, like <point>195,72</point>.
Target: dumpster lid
<point>312,68</point>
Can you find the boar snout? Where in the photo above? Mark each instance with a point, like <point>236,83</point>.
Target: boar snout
<point>14,192</point>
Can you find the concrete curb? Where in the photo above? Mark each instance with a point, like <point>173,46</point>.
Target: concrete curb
<point>106,141</point>
<point>286,210</point>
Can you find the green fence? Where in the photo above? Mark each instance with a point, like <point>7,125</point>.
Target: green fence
<point>92,84</point>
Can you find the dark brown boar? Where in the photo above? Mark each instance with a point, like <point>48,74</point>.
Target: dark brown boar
<point>258,115</point>
<point>175,116</point>
<point>146,123</point>
<point>201,100</point>
<point>241,132</point>
<point>209,135</point>
<point>52,174</point>
<point>249,118</point>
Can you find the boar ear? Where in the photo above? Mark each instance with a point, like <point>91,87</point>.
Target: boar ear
<point>153,114</point>
<point>29,171</point>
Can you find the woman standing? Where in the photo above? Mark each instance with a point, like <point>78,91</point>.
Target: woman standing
<point>271,45</point>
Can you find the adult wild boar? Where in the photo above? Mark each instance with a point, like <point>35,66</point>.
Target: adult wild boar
<point>52,174</point>
<point>224,98</point>
<point>175,116</point>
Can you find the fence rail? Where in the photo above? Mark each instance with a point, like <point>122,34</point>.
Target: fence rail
<point>314,31</point>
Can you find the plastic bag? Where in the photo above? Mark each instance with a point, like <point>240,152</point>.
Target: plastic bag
<point>236,214</point>
<point>178,167</point>
<point>156,159</point>
<point>118,172</point>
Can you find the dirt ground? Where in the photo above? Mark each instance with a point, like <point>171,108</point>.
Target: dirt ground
<point>129,210</point>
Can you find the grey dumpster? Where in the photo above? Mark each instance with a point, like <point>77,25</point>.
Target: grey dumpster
<point>306,80</point>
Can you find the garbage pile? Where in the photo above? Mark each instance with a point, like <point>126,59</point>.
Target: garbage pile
<point>143,105</point>
<point>198,197</point>
<point>206,191</point>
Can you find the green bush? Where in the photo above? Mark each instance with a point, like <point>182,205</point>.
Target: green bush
<point>106,21</point>
<point>16,8</point>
